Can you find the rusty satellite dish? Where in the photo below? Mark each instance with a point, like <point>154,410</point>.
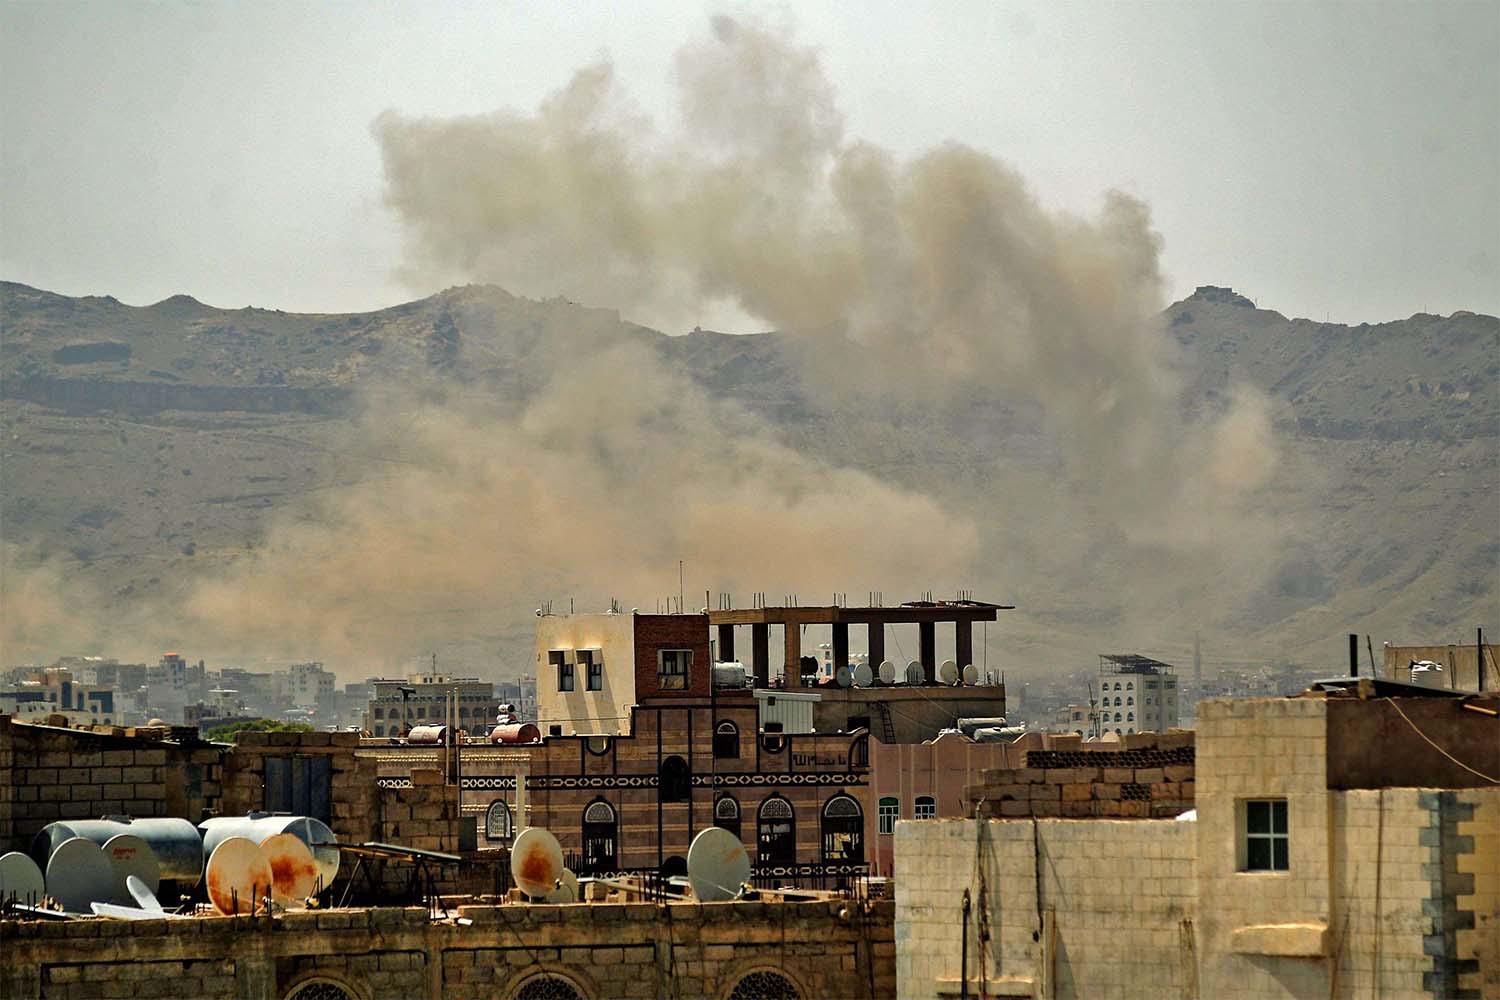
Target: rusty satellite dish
<point>20,879</point>
<point>237,873</point>
<point>294,870</point>
<point>130,855</point>
<point>717,865</point>
<point>78,873</point>
<point>536,861</point>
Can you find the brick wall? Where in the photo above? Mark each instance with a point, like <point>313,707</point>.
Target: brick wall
<point>658,632</point>
<point>58,774</point>
<point>1147,775</point>
<point>839,949</point>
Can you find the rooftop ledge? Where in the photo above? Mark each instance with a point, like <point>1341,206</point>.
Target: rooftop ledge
<point>1302,940</point>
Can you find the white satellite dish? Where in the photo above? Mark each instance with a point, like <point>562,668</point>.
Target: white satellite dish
<point>536,862</point>
<point>843,676</point>
<point>914,673</point>
<point>143,896</point>
<point>971,674</point>
<point>237,874</point>
<point>718,865</point>
<point>20,879</point>
<point>863,675</point>
<point>131,857</point>
<point>887,672</point>
<point>948,672</point>
<point>567,888</point>
<point>78,873</point>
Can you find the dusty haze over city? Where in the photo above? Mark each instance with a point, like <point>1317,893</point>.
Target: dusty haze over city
<point>966,227</point>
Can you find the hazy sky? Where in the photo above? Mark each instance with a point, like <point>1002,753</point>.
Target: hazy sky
<point>1334,160</point>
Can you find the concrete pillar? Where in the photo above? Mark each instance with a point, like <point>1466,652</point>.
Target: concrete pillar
<point>840,645</point>
<point>760,654</point>
<point>726,643</point>
<point>927,640</point>
<point>963,643</point>
<point>792,633</point>
<point>876,644</point>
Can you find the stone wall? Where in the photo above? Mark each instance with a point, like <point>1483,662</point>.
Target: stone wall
<point>354,813</point>
<point>57,774</point>
<point>1145,775</point>
<point>838,949</point>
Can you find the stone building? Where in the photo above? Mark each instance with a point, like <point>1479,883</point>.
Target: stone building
<point>422,699</point>
<point>1344,844</point>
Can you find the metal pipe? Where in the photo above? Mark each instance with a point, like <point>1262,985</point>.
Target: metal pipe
<point>963,966</point>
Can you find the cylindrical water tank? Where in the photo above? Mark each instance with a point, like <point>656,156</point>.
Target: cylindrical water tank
<point>175,842</point>
<point>729,675</point>
<point>427,734</point>
<point>519,732</point>
<point>260,827</point>
<point>968,726</point>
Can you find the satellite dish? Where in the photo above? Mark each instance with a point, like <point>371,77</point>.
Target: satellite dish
<point>536,862</point>
<point>131,857</point>
<point>322,842</point>
<point>144,897</point>
<point>887,672</point>
<point>863,676</point>
<point>20,879</point>
<point>971,674</point>
<point>843,676</point>
<point>237,873</point>
<point>948,672</point>
<point>294,870</point>
<point>567,888</point>
<point>914,673</point>
<point>717,865</point>
<point>78,873</point>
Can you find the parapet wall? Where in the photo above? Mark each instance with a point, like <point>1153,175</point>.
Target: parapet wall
<point>598,951</point>
<point>1146,775</point>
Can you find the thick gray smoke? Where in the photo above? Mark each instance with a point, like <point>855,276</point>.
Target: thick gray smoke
<point>944,271</point>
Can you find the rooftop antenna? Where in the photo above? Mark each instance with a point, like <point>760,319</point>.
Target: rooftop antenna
<point>680,592</point>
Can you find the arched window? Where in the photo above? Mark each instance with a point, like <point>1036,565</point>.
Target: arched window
<point>548,986</point>
<point>859,751</point>
<point>379,730</point>
<point>1130,685</point>
<point>497,820</point>
<point>1129,716</point>
<point>764,984</point>
<point>776,832</point>
<point>1130,701</point>
<point>1117,717</point>
<point>843,830</point>
<point>887,811</point>
<point>674,783</point>
<point>726,740</point>
<point>925,807</point>
<point>321,989</point>
<point>379,714</point>
<point>600,837</point>
<point>727,814</point>
<point>1117,701</point>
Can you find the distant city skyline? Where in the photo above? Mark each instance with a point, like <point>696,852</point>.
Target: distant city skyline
<point>1326,160</point>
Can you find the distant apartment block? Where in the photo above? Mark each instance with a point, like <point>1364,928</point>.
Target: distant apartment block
<point>422,700</point>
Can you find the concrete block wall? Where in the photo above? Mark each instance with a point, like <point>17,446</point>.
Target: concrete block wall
<point>1146,776</point>
<point>603,951</point>
<point>1255,749</point>
<point>58,774</point>
<point>1097,909</point>
<point>354,796</point>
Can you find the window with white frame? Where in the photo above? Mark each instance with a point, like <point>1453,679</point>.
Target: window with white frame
<point>1266,836</point>
<point>925,807</point>
<point>888,812</point>
<point>672,669</point>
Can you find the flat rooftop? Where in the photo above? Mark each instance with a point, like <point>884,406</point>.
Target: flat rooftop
<point>915,612</point>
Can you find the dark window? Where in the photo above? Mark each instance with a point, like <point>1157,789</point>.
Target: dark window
<point>727,814</point>
<point>565,676</point>
<point>1266,836</point>
<point>379,714</point>
<point>600,837</point>
<point>674,782</point>
<point>857,722</point>
<point>925,807</point>
<point>548,987</point>
<point>843,830</point>
<point>672,667</point>
<point>889,811</point>
<point>596,677</point>
<point>727,740</point>
<point>497,820</point>
<point>776,832</point>
<point>554,730</point>
<point>859,751</point>
<point>765,985</point>
<point>301,786</point>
